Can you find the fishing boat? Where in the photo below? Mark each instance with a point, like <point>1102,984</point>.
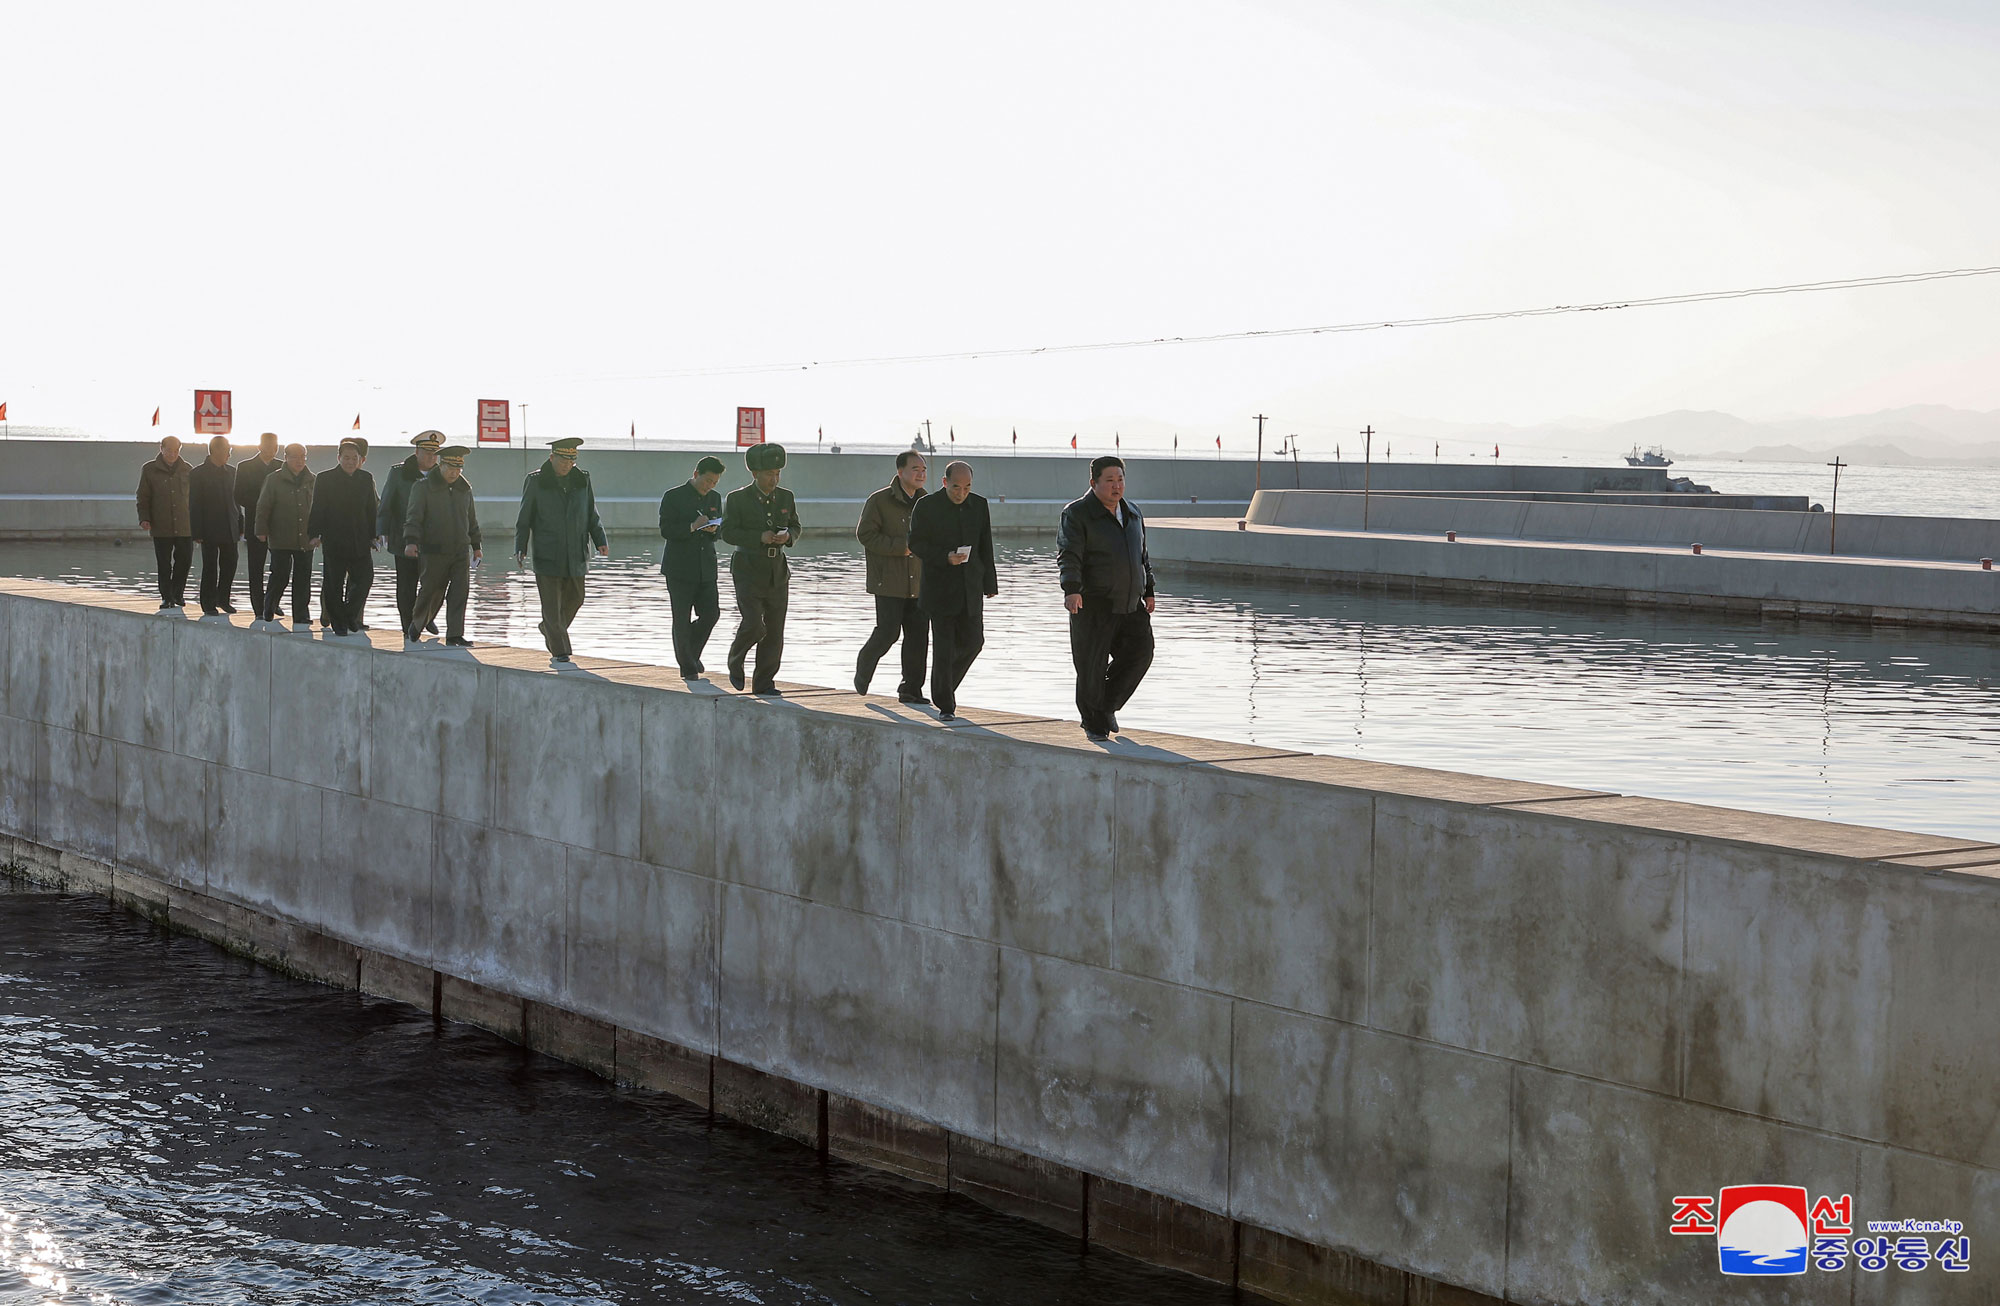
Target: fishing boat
<point>1653,457</point>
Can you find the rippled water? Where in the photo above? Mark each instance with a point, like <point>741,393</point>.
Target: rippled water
<point>1875,726</point>
<point>181,1126</point>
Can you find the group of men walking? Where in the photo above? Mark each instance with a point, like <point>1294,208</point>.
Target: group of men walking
<point>282,512</point>
<point>929,557</point>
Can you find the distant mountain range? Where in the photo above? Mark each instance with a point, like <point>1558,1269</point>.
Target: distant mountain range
<point>1922,435</point>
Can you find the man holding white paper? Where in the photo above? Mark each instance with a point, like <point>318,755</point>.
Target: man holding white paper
<point>690,516</point>
<point>951,534</point>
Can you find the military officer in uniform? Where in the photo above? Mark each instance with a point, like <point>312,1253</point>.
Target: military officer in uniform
<point>441,530</point>
<point>559,510</point>
<point>396,487</point>
<point>761,520</point>
<point>690,515</point>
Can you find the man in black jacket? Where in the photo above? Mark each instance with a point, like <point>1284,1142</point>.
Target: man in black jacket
<point>690,515</point>
<point>396,487</point>
<point>216,522</point>
<point>343,521</point>
<point>250,474</point>
<point>951,534</point>
<point>1107,583</point>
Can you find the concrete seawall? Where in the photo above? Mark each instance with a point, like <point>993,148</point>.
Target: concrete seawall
<point>53,489</point>
<point>1749,561</point>
<point>1311,1025</point>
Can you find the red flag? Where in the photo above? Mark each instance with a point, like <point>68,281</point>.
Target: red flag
<point>1017,436</point>
<point>357,421</point>
<point>951,434</point>
<point>1218,442</point>
<point>1072,442</point>
<point>156,417</point>
<point>1117,440</point>
<point>635,429</point>
<point>3,412</point>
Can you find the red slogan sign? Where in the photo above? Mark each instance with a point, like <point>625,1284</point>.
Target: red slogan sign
<point>211,412</point>
<point>493,427</point>
<point>749,427</point>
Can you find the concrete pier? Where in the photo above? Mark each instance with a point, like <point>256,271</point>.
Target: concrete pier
<point>56,489</point>
<point>1327,1029</point>
<point>1905,570</point>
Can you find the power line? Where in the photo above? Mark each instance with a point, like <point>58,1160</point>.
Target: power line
<point>1344,328</point>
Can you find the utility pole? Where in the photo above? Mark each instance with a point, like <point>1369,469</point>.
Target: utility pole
<point>1367,469</point>
<point>1260,450</point>
<point>524,424</point>
<point>927,437</point>
<point>1833,522</point>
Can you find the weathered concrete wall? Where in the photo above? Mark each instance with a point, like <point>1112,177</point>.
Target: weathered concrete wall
<point>1679,525</point>
<point>1316,1025</point>
<point>1913,591</point>
<point>51,488</point>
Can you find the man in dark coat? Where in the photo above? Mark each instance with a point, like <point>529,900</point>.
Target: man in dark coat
<point>343,521</point>
<point>559,513</point>
<point>442,530</point>
<point>250,474</point>
<point>396,487</point>
<point>163,514</point>
<point>690,515</point>
<point>893,572</point>
<point>217,523</point>
<point>761,520</point>
<point>1107,583</point>
<point>952,535</point>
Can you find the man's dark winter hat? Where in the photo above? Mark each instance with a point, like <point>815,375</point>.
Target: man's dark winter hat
<point>764,457</point>
<point>709,467</point>
<point>566,446</point>
<point>427,439</point>
<point>454,454</point>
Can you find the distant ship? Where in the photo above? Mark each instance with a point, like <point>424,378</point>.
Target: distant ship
<point>1653,457</point>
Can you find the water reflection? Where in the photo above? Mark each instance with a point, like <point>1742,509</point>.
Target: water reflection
<point>182,1126</point>
<point>1878,726</point>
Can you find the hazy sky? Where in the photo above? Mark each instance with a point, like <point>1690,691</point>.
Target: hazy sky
<point>398,209</point>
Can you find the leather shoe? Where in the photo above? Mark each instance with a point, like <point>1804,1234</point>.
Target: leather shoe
<point>919,699</point>
<point>736,675</point>
<point>768,691</point>
<point>1096,736</point>
<point>1110,723</point>
<point>458,643</point>
<point>860,685</point>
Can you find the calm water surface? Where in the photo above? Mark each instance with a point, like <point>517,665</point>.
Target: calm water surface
<point>181,1126</point>
<point>1876,726</point>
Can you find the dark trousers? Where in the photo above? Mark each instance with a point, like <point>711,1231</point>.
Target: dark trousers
<point>762,596</point>
<point>344,582</point>
<point>447,583</point>
<point>1112,651</point>
<point>255,551</point>
<point>293,568</point>
<point>561,597</point>
<point>218,573</point>
<point>895,618</point>
<point>174,553</point>
<point>409,571</point>
<point>955,642</point>
<point>697,607</point>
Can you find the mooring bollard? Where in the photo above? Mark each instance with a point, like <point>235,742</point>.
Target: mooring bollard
<point>1451,537</point>
<point>1242,525</point>
<point>1697,548</point>
<point>1986,563</point>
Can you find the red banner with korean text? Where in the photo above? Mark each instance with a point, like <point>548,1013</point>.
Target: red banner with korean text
<point>493,424</point>
<point>211,412</point>
<point>749,427</point>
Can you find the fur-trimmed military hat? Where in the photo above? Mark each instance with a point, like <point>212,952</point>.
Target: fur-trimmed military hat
<point>764,457</point>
